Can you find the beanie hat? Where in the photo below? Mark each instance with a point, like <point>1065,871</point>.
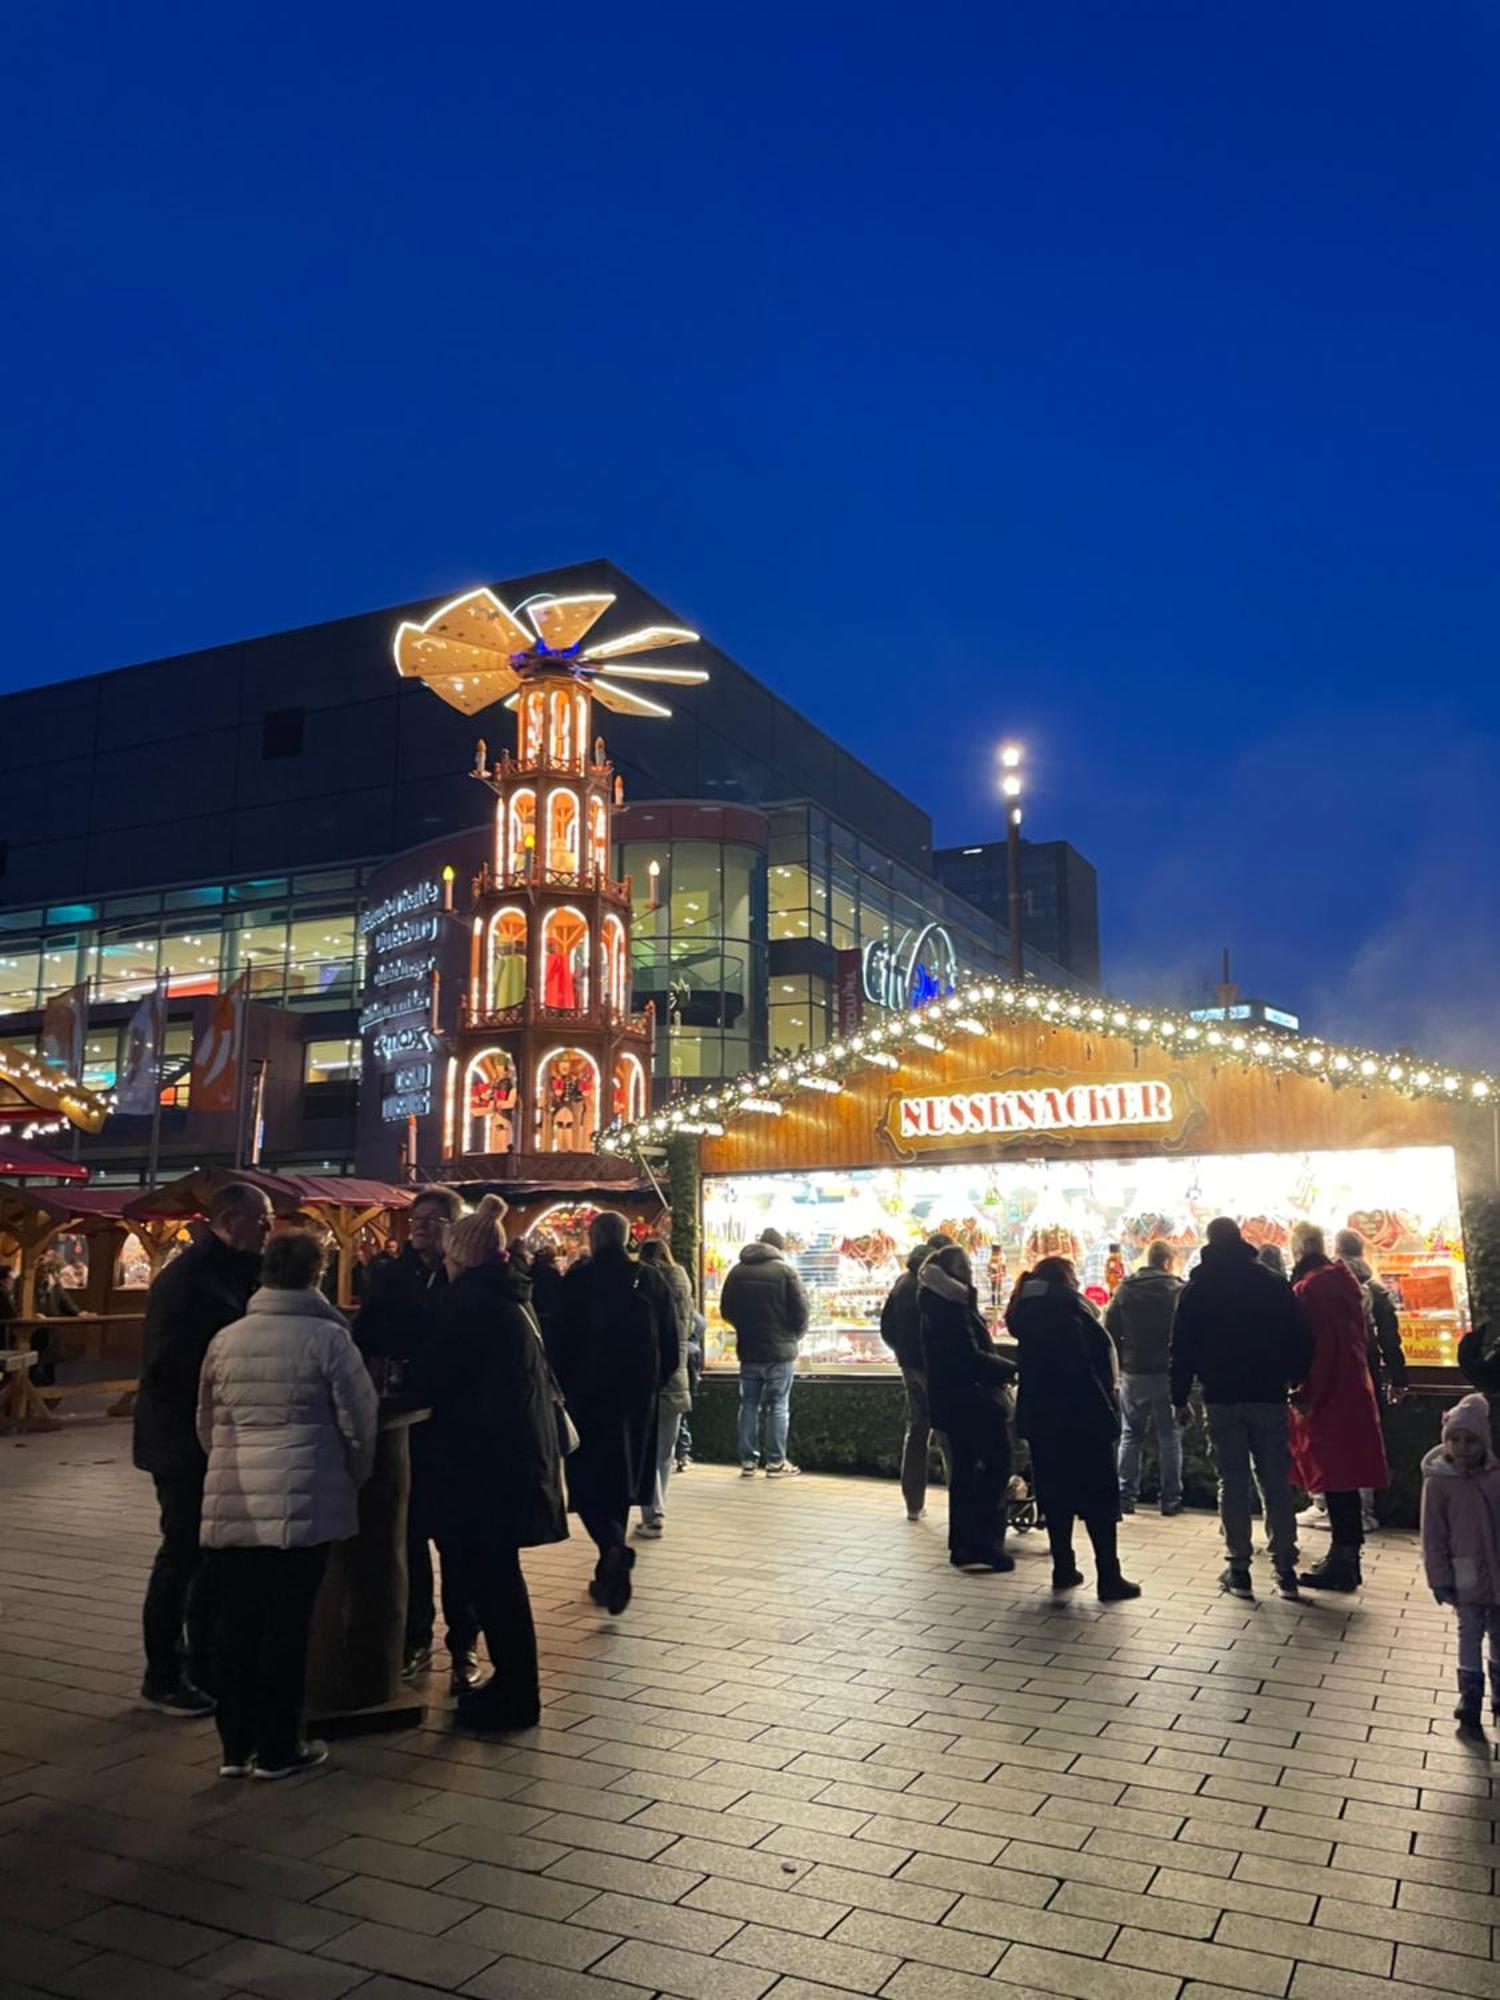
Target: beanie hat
<point>773,1238</point>
<point>1472,1415</point>
<point>478,1238</point>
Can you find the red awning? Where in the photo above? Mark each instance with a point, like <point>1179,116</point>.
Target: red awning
<point>19,1156</point>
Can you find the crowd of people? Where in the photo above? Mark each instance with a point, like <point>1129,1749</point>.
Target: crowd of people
<point>257,1418</point>
<point>552,1391</point>
<point>1289,1371</point>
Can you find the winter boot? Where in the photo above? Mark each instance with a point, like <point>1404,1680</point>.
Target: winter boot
<point>1339,1570</point>
<point>1470,1699</point>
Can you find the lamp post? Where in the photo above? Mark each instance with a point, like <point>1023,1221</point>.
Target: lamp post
<point>1010,787</point>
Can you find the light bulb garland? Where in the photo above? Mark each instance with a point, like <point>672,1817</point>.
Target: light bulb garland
<point>979,1006</point>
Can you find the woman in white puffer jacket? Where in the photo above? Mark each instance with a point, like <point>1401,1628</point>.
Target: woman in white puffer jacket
<point>288,1416</point>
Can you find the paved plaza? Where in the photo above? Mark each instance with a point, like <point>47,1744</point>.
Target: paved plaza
<point>810,1760</point>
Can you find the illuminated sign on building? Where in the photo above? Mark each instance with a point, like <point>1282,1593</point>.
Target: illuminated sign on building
<point>402,935</point>
<point>1045,1111</point>
<point>1082,1106</point>
<point>902,975</point>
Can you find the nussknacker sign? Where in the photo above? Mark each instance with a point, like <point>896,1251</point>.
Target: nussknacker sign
<point>1054,1110</point>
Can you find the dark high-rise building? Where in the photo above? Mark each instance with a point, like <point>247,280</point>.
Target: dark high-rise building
<point>1059,897</point>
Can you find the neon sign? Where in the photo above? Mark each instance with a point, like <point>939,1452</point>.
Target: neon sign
<point>911,972</point>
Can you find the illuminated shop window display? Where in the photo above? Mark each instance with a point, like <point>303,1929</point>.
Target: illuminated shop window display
<point>848,1232</point>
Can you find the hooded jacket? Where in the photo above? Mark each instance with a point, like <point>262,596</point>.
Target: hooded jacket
<point>1461,1514</point>
<point>1140,1318</point>
<point>900,1320</point>
<point>288,1415</point>
<point>1336,1441</point>
<point>1238,1330</point>
<point>204,1289</point>
<point>764,1301</point>
<point>966,1378</point>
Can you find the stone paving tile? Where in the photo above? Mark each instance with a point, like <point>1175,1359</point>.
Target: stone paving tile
<point>928,1787</point>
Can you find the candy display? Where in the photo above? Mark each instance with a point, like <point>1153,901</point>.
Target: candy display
<point>848,1233</point>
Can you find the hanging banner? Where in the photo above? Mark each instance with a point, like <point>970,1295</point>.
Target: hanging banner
<point>140,1072</point>
<point>63,1022</point>
<point>221,1051</point>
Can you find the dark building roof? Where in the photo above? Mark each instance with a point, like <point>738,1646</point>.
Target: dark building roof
<point>304,747</point>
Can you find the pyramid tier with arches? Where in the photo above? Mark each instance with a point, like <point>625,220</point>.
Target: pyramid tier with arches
<point>546,1052</point>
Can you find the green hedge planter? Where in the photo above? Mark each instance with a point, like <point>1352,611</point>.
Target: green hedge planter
<point>858,1427</point>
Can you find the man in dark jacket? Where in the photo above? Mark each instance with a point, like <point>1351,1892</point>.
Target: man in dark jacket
<point>614,1346</point>
<point>204,1289</point>
<point>1140,1318</point>
<point>763,1300</point>
<point>901,1330</point>
<point>1240,1331</point>
<point>400,1310</point>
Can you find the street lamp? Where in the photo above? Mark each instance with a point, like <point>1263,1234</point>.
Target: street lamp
<point>1010,787</point>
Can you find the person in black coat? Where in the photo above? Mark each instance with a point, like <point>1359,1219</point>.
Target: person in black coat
<point>201,1291</point>
<point>397,1318</point>
<point>1069,1413</point>
<point>901,1330</point>
<point>494,1477</point>
<point>546,1283</point>
<point>966,1395</point>
<point>614,1346</point>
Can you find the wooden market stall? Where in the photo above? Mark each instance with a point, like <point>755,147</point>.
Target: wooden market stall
<point>1025,1121</point>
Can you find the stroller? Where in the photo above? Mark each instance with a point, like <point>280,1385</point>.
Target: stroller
<point>1021,1510</point>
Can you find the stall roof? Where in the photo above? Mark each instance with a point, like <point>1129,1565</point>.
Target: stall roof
<point>193,1192</point>
<point>19,1156</point>
<point>980,1006</point>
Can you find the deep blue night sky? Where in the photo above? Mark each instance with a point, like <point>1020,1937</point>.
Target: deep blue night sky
<point>1118,375</point>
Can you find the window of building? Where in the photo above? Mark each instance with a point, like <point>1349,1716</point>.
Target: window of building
<point>320,956</point>
<point>799,1012</point>
<point>101,1058</point>
<point>334,1061</point>
<point>696,901</point>
<point>262,890</point>
<point>124,961</point>
<point>260,943</point>
<point>190,959</point>
<point>61,966</point>
<point>282,731</point>
<point>792,915</point>
<point>207,898</point>
<point>20,970</point>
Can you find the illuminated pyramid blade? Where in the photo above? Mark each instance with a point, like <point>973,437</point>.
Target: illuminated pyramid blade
<point>562,621</point>
<point>644,641</point>
<point>653,670</point>
<point>625,701</point>
<point>463,651</point>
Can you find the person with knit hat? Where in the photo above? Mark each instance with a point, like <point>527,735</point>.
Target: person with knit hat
<point>495,1484</point>
<point>1461,1548</point>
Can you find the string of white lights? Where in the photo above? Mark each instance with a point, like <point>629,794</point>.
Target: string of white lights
<point>981,1004</point>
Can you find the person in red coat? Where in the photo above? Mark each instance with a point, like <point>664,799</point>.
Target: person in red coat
<point>1336,1443</point>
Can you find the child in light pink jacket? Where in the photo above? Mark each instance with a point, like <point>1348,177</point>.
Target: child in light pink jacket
<point>1461,1547</point>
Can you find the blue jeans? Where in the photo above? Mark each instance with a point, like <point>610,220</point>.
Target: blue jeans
<point>1240,1433</point>
<point>1146,1405</point>
<point>765,1386</point>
